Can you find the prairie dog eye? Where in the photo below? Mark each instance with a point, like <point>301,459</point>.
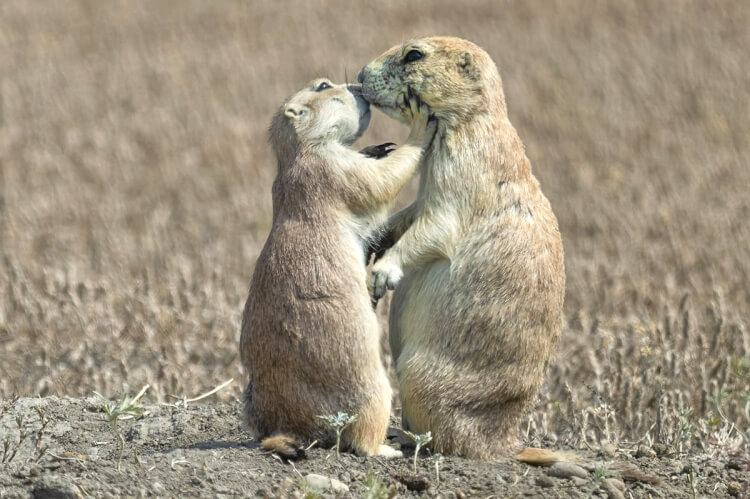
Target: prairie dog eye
<point>413,55</point>
<point>323,86</point>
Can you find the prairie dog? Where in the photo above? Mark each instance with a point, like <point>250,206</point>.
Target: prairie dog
<point>478,263</point>
<point>310,337</point>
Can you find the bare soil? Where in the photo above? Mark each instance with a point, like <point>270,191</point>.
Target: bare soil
<point>202,451</point>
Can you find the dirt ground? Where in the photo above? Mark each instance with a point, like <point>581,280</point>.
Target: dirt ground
<point>202,450</point>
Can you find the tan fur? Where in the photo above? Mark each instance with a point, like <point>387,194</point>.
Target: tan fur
<point>284,445</point>
<point>478,313</point>
<point>539,457</point>
<point>310,338</point>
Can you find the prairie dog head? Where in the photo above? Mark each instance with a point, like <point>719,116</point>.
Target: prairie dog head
<point>455,77</point>
<point>321,112</point>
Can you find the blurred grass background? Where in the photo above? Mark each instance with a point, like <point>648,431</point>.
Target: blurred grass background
<point>135,183</point>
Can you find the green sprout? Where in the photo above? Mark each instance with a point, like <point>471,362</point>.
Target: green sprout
<point>685,425</point>
<point>717,398</point>
<point>374,487</point>
<point>419,441</point>
<point>436,458</point>
<point>126,407</point>
<point>745,396</point>
<point>338,423</point>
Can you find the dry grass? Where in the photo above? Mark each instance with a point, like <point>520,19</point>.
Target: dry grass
<point>135,181</point>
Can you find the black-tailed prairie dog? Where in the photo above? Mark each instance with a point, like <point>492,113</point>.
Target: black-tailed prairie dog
<point>310,338</point>
<point>478,263</point>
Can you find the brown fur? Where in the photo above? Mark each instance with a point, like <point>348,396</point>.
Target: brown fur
<point>478,313</point>
<point>310,339</point>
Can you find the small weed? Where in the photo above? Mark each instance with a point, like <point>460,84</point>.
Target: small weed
<point>686,427</point>
<point>745,396</point>
<point>692,480</point>
<point>307,491</point>
<point>9,451</point>
<point>8,406</point>
<point>436,458</point>
<point>374,487</point>
<point>419,441</point>
<point>601,473</point>
<point>338,423</point>
<point>40,451</point>
<point>718,398</point>
<point>126,407</point>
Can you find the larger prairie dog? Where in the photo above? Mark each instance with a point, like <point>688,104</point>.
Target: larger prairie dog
<point>478,263</point>
<point>310,337</point>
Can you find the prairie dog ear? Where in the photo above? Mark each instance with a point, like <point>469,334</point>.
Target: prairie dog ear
<point>466,66</point>
<point>295,111</point>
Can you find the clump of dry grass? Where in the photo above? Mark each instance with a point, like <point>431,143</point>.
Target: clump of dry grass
<point>135,190</point>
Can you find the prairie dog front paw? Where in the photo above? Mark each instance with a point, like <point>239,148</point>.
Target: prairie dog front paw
<point>385,275</point>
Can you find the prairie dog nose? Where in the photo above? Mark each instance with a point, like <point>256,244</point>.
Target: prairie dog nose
<point>361,75</point>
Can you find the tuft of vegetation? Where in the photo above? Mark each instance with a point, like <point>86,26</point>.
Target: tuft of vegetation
<point>601,473</point>
<point>306,491</point>
<point>338,424</point>
<point>11,449</point>
<point>126,407</point>
<point>375,488</point>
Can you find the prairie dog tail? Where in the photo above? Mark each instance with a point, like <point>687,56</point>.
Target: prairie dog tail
<point>542,457</point>
<point>285,446</point>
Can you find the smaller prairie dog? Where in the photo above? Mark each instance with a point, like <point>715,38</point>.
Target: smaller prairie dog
<point>310,339</point>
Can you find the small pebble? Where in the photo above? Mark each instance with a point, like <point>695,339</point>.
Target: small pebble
<point>644,451</point>
<point>675,467</point>
<point>545,481</point>
<point>325,483</point>
<point>55,486</point>
<point>663,450</point>
<point>608,449</point>
<point>614,482</point>
<point>578,481</point>
<point>614,488</point>
<point>158,488</point>
<point>566,470</point>
<point>412,481</point>
<point>734,488</point>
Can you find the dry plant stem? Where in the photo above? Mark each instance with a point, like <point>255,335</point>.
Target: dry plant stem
<point>8,406</point>
<point>184,401</point>
<point>39,451</point>
<point>8,454</point>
